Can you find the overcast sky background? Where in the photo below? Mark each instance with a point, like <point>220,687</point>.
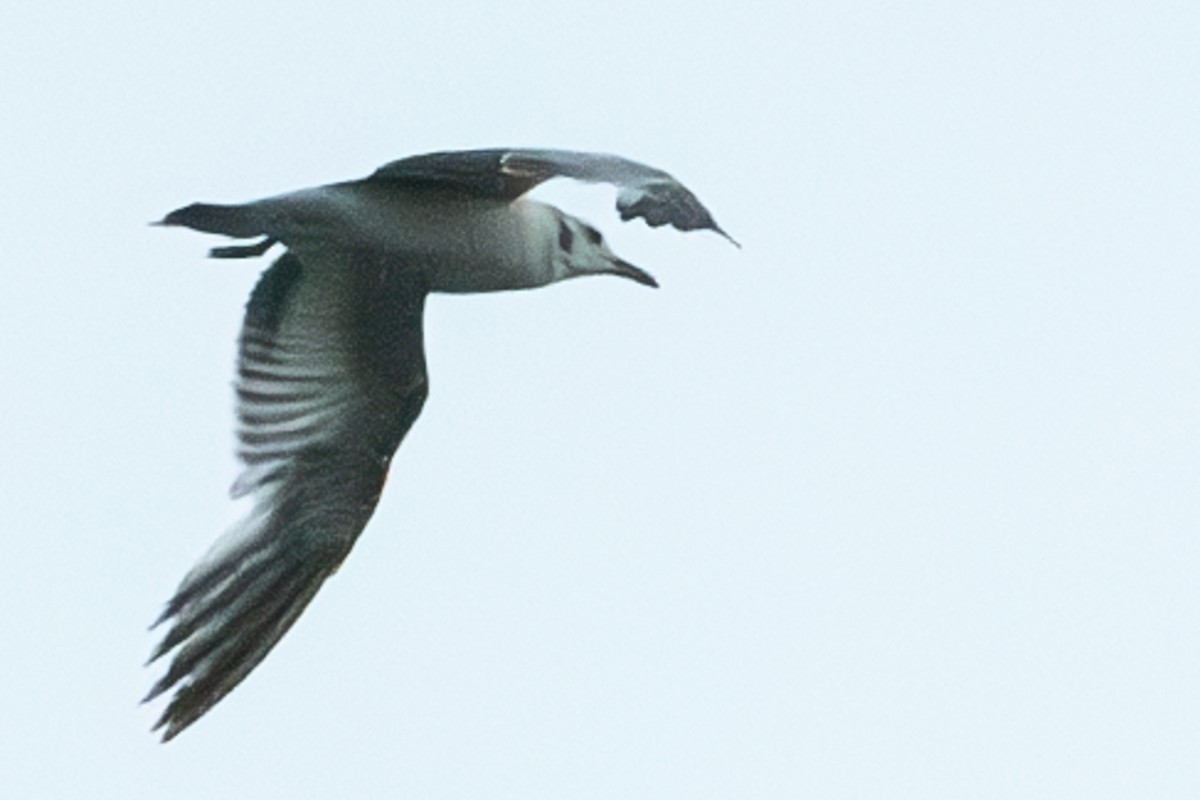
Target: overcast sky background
<point>900,500</point>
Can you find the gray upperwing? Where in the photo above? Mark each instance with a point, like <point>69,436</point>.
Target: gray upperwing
<point>476,172</point>
<point>331,375</point>
<point>506,174</point>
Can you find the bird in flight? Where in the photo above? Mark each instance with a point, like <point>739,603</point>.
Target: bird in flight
<point>331,365</point>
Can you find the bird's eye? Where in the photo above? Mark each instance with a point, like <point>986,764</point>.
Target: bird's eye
<point>566,239</point>
<point>593,235</point>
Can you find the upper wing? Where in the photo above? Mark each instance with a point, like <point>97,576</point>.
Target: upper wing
<point>507,174</point>
<point>331,375</point>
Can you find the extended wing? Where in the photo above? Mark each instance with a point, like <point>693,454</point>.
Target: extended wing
<point>507,174</point>
<point>331,375</point>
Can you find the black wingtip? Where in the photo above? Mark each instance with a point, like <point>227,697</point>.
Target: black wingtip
<point>160,686</point>
<point>170,732</point>
<point>731,240</point>
<point>170,609</point>
<point>160,650</point>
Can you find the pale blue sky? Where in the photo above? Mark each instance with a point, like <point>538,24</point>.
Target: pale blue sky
<point>899,501</point>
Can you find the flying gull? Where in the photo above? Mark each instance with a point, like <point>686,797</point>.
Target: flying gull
<point>331,365</point>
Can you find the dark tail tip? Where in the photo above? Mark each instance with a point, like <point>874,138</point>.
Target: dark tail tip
<point>209,218</point>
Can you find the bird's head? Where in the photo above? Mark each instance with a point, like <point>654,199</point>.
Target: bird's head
<point>579,249</point>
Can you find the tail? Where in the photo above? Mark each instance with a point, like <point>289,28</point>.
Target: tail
<point>240,222</point>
